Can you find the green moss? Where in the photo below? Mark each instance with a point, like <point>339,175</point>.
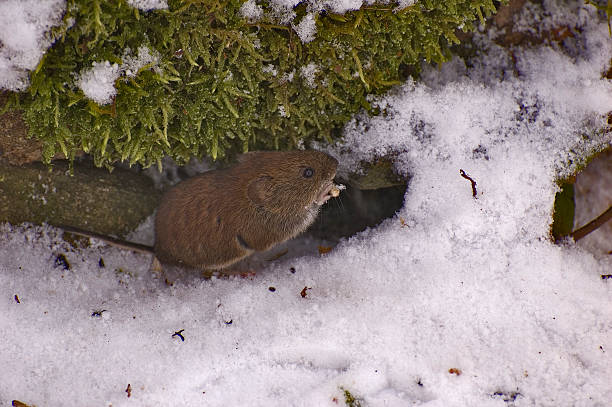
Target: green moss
<point>220,86</point>
<point>349,399</point>
<point>564,208</point>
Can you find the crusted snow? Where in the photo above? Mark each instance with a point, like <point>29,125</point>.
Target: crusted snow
<point>456,301</point>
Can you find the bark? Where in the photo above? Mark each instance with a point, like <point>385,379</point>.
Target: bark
<point>92,199</point>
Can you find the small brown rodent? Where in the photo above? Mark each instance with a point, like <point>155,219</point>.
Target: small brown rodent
<point>217,218</point>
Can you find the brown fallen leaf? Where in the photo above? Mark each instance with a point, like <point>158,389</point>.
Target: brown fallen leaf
<point>324,249</point>
<point>453,370</point>
<point>17,403</point>
<point>129,390</point>
<point>303,293</point>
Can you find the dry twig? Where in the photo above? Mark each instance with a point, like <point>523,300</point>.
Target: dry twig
<point>464,175</point>
<point>592,225</point>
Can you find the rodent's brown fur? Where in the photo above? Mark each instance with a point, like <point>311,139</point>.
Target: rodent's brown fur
<point>215,219</point>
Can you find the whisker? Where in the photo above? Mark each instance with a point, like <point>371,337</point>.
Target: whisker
<point>340,203</point>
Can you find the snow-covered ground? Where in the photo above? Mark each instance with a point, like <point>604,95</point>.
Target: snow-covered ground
<point>456,301</point>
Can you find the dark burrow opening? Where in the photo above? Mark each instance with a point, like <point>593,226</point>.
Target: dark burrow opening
<point>355,210</point>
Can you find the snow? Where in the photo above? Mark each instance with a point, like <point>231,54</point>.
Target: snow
<point>269,69</point>
<point>251,10</point>
<point>147,5</point>
<point>131,65</point>
<point>308,73</point>
<point>98,82</point>
<point>456,301</point>
<point>402,4</point>
<point>23,24</point>
<point>307,28</point>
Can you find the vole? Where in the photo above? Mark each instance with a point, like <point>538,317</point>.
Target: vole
<point>217,218</point>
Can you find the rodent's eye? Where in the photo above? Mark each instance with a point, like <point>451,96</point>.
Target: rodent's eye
<point>308,172</point>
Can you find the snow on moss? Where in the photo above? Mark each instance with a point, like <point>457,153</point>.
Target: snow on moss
<point>307,28</point>
<point>23,40</point>
<point>146,5</point>
<point>98,82</point>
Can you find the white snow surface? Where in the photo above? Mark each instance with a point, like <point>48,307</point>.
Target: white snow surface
<point>23,24</point>
<point>98,82</point>
<point>451,282</point>
<point>147,5</point>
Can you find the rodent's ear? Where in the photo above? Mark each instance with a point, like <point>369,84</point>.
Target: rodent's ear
<point>260,190</point>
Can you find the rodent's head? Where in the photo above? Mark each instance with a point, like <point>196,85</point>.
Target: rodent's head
<point>288,181</point>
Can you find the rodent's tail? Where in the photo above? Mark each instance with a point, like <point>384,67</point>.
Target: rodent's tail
<point>124,244</point>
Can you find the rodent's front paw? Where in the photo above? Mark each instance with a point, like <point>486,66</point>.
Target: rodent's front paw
<point>335,190</point>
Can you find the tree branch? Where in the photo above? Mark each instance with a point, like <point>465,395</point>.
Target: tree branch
<point>592,225</point>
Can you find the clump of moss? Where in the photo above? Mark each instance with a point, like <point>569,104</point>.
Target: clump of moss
<point>563,211</point>
<point>349,399</point>
<point>222,84</point>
